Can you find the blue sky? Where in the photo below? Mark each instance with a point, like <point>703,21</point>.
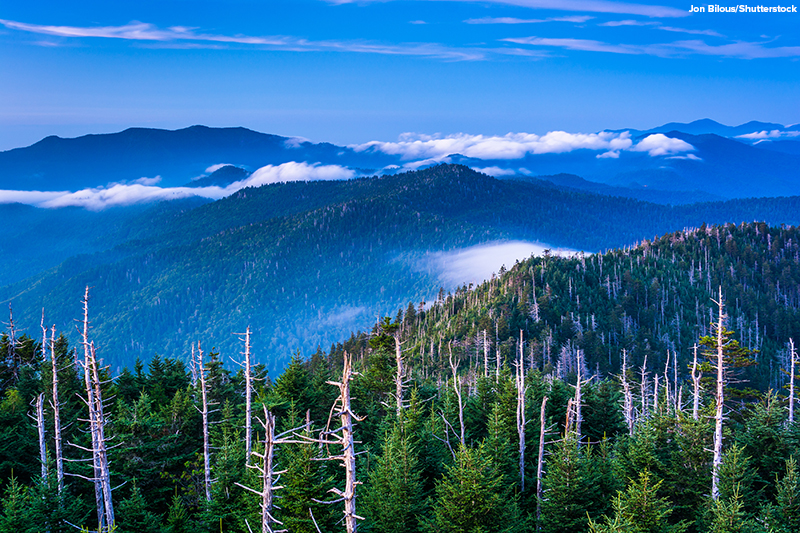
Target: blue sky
<point>352,72</point>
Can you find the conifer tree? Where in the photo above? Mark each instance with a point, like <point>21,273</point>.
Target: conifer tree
<point>639,509</point>
<point>472,498</point>
<point>393,498</point>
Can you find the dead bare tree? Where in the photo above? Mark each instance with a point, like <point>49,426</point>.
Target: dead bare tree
<point>696,375</point>
<point>55,404</point>
<point>248,396</point>
<point>39,419</point>
<point>400,380</point>
<point>577,402</point>
<point>266,469</point>
<point>343,436</point>
<point>643,386</point>
<point>627,395</point>
<point>457,387</point>
<point>793,356</point>
<point>540,462</point>
<point>520,385</point>
<point>204,412</point>
<point>485,356</point>
<point>101,477</point>
<point>720,394</point>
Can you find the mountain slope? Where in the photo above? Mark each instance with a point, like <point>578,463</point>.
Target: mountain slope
<point>305,263</point>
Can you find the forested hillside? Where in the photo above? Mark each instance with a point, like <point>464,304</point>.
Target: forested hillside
<point>561,396</point>
<point>308,262</point>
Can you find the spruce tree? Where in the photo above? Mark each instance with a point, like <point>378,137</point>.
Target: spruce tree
<point>472,497</point>
<point>638,509</point>
<point>393,497</point>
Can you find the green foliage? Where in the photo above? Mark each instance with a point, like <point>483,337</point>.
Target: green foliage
<point>472,497</point>
<point>134,516</point>
<point>570,488</point>
<point>393,497</point>
<point>639,510</point>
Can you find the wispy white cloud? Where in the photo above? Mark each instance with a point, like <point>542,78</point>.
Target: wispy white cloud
<point>659,144</point>
<point>148,33</point>
<point>509,146</point>
<point>496,171</point>
<point>773,134</point>
<point>710,33</point>
<point>144,190</point>
<point>214,168</point>
<point>739,49</point>
<point>586,6</point>
<point>577,19</point>
<point>628,22</point>
<point>476,264</point>
<point>658,26</point>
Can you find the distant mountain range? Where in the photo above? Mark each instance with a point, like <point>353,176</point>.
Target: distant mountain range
<point>306,263</point>
<point>699,161</point>
<point>298,240</point>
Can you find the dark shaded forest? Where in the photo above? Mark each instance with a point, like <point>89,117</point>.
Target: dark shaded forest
<point>563,395</point>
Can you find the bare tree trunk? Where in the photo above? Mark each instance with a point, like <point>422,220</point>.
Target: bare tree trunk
<point>696,383</point>
<point>12,345</point>
<point>667,399</point>
<point>92,405</point>
<point>540,462</point>
<point>204,412</point>
<point>793,355</point>
<point>40,430</point>
<point>56,405</point>
<point>578,396</point>
<point>627,395</point>
<point>520,382</point>
<point>485,356</point>
<point>643,386</point>
<point>655,393</point>
<point>102,453</point>
<point>497,351</point>
<point>457,387</point>
<point>720,398</point>
<point>267,471</point>
<point>248,399</point>
<point>399,377</point>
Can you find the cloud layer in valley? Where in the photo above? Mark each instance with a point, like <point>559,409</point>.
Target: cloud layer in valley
<point>145,190</point>
<point>476,264</point>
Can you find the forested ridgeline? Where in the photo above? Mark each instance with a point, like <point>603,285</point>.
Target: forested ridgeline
<point>561,396</point>
<point>306,263</point>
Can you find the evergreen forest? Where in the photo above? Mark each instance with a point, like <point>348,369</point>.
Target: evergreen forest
<point>649,388</point>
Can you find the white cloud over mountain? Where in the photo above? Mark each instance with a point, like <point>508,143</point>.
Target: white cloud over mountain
<point>518,145</point>
<point>144,190</point>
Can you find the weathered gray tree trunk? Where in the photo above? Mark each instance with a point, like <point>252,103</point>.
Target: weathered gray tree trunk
<point>485,356</point>
<point>696,375</point>
<point>204,412</point>
<point>520,383</point>
<point>266,470</point>
<point>102,452</point>
<point>92,406</point>
<point>346,440</point>
<point>627,397</point>
<point>41,431</point>
<point>643,386</point>
<point>248,398</point>
<point>793,356</point>
<point>457,387</point>
<point>55,403</point>
<point>540,461</point>
<point>400,374</point>
<point>719,397</point>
